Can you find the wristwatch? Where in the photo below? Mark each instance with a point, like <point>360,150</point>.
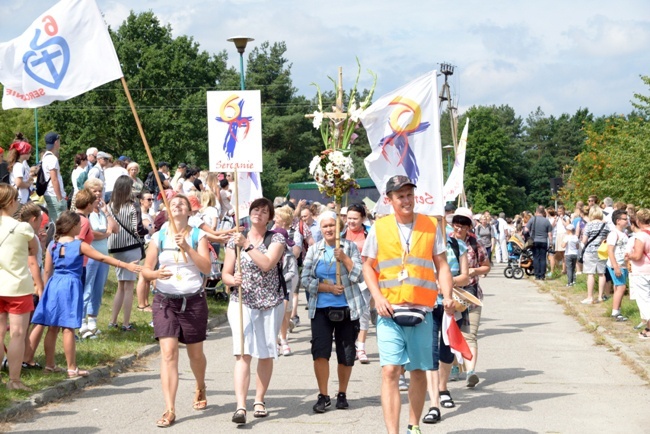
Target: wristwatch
<point>249,248</point>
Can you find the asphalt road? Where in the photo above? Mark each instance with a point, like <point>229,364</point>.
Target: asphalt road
<point>540,373</point>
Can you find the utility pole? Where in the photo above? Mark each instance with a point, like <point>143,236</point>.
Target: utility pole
<point>447,70</point>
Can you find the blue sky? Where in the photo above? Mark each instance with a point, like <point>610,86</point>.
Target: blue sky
<point>557,55</point>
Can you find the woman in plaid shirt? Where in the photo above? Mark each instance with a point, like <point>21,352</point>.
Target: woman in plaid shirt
<point>334,309</point>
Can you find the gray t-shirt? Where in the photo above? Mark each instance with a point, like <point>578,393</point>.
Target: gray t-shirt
<point>542,227</point>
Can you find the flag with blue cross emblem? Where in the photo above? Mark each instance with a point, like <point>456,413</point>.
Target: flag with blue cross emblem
<point>65,52</point>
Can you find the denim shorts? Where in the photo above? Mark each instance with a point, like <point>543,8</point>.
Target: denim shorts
<point>411,347</point>
<point>618,281</point>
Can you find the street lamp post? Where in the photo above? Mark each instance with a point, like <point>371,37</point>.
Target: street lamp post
<point>448,148</point>
<point>240,43</point>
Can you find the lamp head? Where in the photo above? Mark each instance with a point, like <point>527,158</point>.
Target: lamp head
<point>240,42</point>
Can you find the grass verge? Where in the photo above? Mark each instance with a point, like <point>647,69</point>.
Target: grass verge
<point>108,347</point>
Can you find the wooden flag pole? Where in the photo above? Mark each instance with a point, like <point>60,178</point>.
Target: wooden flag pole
<point>151,161</point>
<point>338,241</point>
<point>238,264</point>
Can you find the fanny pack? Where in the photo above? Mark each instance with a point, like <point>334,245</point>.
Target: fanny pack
<point>338,314</point>
<point>408,316</point>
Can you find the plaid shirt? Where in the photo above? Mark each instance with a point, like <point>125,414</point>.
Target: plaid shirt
<point>349,280</point>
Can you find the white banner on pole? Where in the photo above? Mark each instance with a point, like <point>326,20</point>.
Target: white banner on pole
<point>454,185</point>
<point>250,188</point>
<point>235,131</point>
<point>65,52</point>
<point>404,133</point>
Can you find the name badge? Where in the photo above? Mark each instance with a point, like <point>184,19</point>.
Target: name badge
<point>328,281</point>
<point>403,275</point>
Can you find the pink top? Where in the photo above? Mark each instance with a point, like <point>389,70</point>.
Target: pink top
<point>86,234</point>
<point>642,266</point>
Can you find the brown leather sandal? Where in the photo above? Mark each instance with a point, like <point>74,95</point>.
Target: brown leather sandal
<point>200,399</point>
<point>168,418</point>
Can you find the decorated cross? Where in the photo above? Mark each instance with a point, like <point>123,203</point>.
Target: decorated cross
<point>333,169</point>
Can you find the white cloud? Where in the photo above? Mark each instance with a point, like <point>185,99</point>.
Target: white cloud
<point>555,54</point>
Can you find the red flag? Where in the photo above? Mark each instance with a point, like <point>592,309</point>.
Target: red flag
<point>457,341</point>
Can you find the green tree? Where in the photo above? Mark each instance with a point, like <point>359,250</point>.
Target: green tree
<point>490,181</point>
<point>22,120</point>
<point>612,162</point>
<point>167,77</point>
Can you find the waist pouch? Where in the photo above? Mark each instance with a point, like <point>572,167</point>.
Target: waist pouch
<point>338,314</point>
<point>408,316</point>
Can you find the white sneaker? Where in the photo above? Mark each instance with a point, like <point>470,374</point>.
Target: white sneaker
<point>89,335</point>
<point>84,328</point>
<point>286,350</point>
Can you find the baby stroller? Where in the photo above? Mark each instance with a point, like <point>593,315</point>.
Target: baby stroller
<point>520,259</point>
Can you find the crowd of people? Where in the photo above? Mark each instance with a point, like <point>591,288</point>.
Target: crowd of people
<point>418,278</point>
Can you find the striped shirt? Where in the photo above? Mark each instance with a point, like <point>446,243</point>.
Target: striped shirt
<point>123,241</point>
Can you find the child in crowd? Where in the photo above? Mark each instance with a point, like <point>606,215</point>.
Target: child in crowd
<point>62,302</point>
<point>616,263</point>
<point>571,246</point>
<point>32,214</point>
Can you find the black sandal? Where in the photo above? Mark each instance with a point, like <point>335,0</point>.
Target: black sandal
<point>239,417</point>
<point>143,308</point>
<point>432,416</point>
<point>445,399</point>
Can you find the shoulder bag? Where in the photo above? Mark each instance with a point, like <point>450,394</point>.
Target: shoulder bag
<point>589,241</point>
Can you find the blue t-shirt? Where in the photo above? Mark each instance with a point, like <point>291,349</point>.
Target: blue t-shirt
<point>454,265</point>
<point>326,270</point>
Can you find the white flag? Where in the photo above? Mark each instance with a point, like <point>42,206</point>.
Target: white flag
<point>454,185</point>
<point>67,51</point>
<point>404,133</point>
<point>250,188</point>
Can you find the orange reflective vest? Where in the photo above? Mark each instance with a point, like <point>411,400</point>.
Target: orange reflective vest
<point>419,286</point>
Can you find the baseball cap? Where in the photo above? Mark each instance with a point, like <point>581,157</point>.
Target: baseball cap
<point>125,158</point>
<point>398,181</point>
<point>182,165</point>
<point>51,137</point>
<point>570,227</point>
<point>163,164</point>
<point>104,155</point>
<point>450,207</point>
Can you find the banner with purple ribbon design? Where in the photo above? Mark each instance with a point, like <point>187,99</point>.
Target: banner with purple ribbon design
<point>235,131</point>
<point>65,52</point>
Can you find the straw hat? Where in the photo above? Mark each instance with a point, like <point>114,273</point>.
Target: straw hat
<point>462,299</point>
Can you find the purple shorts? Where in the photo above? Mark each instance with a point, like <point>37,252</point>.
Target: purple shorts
<point>189,325</point>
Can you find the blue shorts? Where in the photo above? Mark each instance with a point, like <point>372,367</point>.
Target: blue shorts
<point>618,281</point>
<point>411,347</point>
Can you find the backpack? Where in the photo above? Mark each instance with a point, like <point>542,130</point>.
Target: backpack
<point>453,243</point>
<point>283,283</point>
<point>41,182</point>
<point>151,185</point>
<point>163,234</point>
<point>4,173</point>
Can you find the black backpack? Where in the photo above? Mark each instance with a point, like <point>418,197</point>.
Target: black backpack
<point>283,283</point>
<point>41,182</point>
<point>4,173</point>
<point>150,184</point>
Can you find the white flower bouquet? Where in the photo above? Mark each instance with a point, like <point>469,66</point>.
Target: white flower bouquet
<point>333,172</point>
